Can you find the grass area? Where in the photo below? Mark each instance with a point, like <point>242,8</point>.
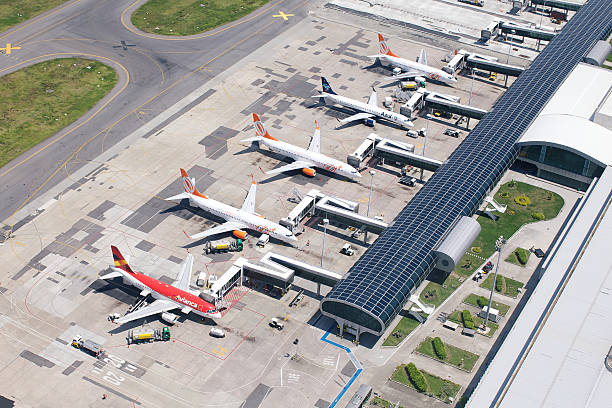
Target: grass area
<point>436,387</point>
<point>454,355</point>
<point>472,299</point>
<point>540,201</point>
<point>478,322</point>
<point>15,12</point>
<point>509,287</point>
<point>41,99</point>
<point>188,17</point>
<point>515,257</point>
<point>379,402</point>
<point>399,333</point>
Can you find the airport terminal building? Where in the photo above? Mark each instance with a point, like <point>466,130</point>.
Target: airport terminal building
<point>537,120</point>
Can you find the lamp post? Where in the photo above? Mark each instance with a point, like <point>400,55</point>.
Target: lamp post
<point>512,32</point>
<point>499,244</point>
<point>325,223</point>
<point>428,116</point>
<point>470,102</point>
<point>372,173</point>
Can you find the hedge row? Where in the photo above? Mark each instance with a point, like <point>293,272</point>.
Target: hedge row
<point>499,284</point>
<point>468,322</point>
<point>439,348</point>
<point>482,301</point>
<point>416,377</point>
<point>522,255</point>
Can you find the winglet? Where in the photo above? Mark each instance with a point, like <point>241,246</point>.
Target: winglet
<point>316,125</point>
<point>120,262</point>
<point>260,130</point>
<point>189,185</point>
<point>383,48</point>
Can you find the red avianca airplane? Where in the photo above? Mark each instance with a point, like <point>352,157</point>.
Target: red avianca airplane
<point>167,297</point>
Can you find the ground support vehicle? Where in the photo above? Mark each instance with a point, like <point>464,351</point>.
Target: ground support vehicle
<point>148,335</point>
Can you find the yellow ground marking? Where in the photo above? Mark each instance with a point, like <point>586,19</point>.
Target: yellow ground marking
<point>35,20</point>
<point>7,50</point>
<point>20,243</point>
<point>195,36</point>
<point>76,152</point>
<point>282,15</point>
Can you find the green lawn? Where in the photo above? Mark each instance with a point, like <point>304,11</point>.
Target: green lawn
<point>514,257</point>
<point>541,201</point>
<point>187,17</point>
<point>379,402</point>
<point>403,329</point>
<point>42,99</point>
<point>472,300</point>
<point>15,12</point>
<point>509,289</point>
<point>478,322</point>
<point>436,386</point>
<point>454,355</point>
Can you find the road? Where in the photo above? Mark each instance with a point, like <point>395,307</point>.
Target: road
<point>154,72</point>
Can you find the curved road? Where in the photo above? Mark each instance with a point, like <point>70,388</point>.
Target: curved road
<point>154,73</point>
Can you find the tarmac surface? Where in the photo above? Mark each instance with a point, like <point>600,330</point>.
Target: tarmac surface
<point>154,72</point>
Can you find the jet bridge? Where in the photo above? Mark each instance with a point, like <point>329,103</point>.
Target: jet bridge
<point>493,66</point>
<point>393,151</point>
<point>302,269</point>
<point>529,32</point>
<point>560,4</point>
<point>436,102</point>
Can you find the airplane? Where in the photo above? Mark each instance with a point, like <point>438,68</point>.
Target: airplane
<point>412,69</point>
<point>167,297</point>
<point>366,110</point>
<point>237,220</point>
<point>305,159</point>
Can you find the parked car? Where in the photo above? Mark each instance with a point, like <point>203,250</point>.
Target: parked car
<point>277,323</point>
<point>488,267</point>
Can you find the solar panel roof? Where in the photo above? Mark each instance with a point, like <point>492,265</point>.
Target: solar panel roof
<point>381,281</point>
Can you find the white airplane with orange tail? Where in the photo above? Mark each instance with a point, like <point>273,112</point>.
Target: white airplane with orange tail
<point>305,159</point>
<point>238,219</point>
<point>412,69</point>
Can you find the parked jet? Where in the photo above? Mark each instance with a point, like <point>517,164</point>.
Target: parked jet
<point>167,297</point>
<point>305,159</point>
<point>366,110</point>
<point>411,68</point>
<point>237,220</point>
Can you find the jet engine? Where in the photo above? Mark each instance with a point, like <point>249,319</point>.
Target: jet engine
<point>309,172</point>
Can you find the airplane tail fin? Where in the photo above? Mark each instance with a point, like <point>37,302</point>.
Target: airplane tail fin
<point>189,185</point>
<point>120,261</point>
<point>260,129</point>
<point>326,87</point>
<point>383,48</point>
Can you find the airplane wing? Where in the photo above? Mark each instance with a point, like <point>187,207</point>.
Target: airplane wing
<point>423,57</point>
<point>373,99</point>
<point>315,142</point>
<point>249,201</point>
<point>184,276</point>
<point>158,306</point>
<point>405,75</point>
<point>358,116</point>
<point>299,164</point>
<point>225,227</point>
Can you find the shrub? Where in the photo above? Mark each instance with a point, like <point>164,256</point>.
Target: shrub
<point>538,216</point>
<point>499,283</point>
<point>522,200</point>
<point>522,255</point>
<point>468,322</point>
<point>482,301</point>
<point>439,348</point>
<point>505,194</point>
<point>416,377</point>
<point>512,184</point>
<point>511,212</point>
<point>476,250</point>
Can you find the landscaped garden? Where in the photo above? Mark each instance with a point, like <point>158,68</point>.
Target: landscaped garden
<point>426,383</point>
<point>519,257</point>
<point>482,301</point>
<point>470,321</point>
<point>437,349</point>
<point>379,402</point>
<point>405,326</point>
<point>503,285</point>
<point>525,204</point>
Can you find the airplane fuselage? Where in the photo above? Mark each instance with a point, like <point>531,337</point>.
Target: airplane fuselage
<point>371,109</point>
<point>252,221</point>
<point>162,291</point>
<point>318,159</point>
<point>425,70</point>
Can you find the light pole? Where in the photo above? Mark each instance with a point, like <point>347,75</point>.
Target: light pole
<point>499,244</point>
<point>325,222</point>
<point>428,116</point>
<point>511,32</point>
<point>372,173</point>
<point>470,102</point>
<point>541,18</point>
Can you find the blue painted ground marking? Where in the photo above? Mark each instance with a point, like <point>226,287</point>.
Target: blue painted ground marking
<point>358,366</point>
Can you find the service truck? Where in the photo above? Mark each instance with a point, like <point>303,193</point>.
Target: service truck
<point>148,335</point>
<point>223,246</point>
<point>89,346</point>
